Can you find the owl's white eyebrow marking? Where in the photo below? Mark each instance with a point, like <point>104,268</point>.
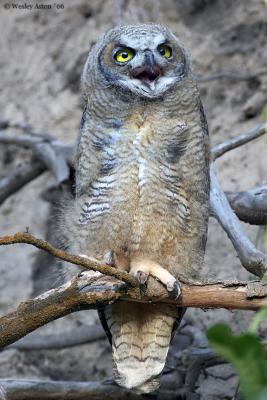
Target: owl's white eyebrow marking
<point>143,42</point>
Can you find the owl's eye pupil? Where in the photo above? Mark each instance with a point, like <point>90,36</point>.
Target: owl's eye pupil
<point>162,51</point>
<point>124,55</point>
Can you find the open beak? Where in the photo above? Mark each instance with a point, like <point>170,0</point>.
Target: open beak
<point>148,72</point>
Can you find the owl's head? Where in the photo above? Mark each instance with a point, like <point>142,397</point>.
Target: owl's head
<point>145,60</point>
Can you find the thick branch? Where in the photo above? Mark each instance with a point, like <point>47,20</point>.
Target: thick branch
<point>19,177</point>
<point>86,292</point>
<point>87,263</point>
<point>252,259</point>
<point>54,304</point>
<point>63,390</point>
<point>250,206</point>
<point>239,140</point>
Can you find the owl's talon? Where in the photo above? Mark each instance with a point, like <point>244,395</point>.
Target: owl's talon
<point>110,258</point>
<point>174,288</point>
<point>141,277</point>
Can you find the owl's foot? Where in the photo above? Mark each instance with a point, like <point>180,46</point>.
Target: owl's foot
<point>141,276</point>
<point>174,288</point>
<point>141,268</point>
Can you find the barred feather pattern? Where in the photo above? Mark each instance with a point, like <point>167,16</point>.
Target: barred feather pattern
<point>141,335</point>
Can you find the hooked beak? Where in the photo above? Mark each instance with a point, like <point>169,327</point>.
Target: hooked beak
<point>149,72</point>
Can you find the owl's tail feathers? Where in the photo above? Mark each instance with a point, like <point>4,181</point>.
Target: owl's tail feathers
<point>141,335</point>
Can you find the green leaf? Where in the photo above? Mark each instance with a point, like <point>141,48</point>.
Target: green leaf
<point>246,354</point>
<point>259,317</point>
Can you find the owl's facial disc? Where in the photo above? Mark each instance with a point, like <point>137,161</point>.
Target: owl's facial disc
<point>148,72</point>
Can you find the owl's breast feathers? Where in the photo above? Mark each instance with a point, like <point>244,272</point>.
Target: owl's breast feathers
<point>147,172</point>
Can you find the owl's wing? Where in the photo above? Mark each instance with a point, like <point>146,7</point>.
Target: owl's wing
<point>95,156</point>
<point>104,324</point>
<point>181,312</point>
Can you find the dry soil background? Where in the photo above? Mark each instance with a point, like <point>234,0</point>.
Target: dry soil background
<point>42,53</point>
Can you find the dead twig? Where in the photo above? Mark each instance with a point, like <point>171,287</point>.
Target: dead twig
<point>22,237</point>
<point>239,140</point>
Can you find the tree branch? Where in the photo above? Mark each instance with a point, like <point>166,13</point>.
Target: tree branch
<point>252,259</point>
<point>64,390</point>
<point>80,336</point>
<point>50,151</point>
<point>239,140</point>
<point>19,177</point>
<point>56,303</point>
<point>88,292</point>
<point>250,206</point>
<point>31,140</point>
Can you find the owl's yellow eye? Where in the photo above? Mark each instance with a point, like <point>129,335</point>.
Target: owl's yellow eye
<point>165,50</point>
<point>124,55</point>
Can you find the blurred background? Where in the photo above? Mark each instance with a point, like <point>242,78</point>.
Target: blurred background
<point>42,54</point>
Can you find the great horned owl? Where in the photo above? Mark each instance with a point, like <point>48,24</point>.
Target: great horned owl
<point>142,184</point>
